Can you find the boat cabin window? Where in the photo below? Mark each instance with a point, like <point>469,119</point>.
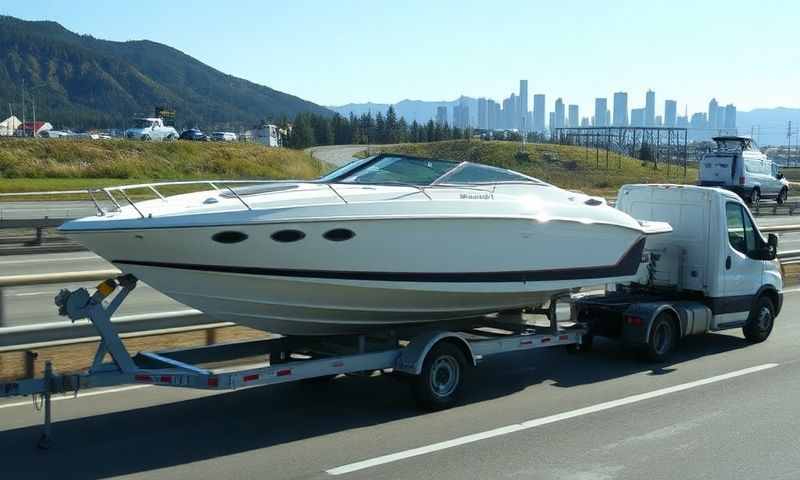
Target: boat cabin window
<point>389,169</point>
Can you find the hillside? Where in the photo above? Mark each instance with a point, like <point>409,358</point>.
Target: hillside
<point>83,82</point>
<point>565,166</point>
<point>41,165</point>
<point>419,110</point>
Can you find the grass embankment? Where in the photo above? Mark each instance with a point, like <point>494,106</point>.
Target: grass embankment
<point>568,167</point>
<point>28,165</point>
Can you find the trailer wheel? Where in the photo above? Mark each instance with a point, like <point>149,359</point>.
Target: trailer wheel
<point>662,340</point>
<point>760,322</point>
<point>438,386</point>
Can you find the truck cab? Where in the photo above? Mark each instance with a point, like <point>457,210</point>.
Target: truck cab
<point>713,271</point>
<point>738,165</point>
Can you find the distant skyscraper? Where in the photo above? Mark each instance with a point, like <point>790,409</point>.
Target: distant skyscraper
<point>730,117</point>
<point>637,117</point>
<point>585,122</point>
<point>509,112</point>
<point>600,112</point>
<point>714,122</point>
<point>559,113</point>
<point>461,115</point>
<point>483,117</point>
<point>574,119</point>
<point>670,113</point>
<point>699,126</point>
<point>538,112</point>
<point>441,115</point>
<point>552,123</point>
<point>620,109</point>
<point>522,108</point>
<point>492,115</point>
<point>650,108</point>
<point>659,121</point>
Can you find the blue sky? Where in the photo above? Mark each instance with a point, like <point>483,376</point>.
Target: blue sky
<point>335,52</point>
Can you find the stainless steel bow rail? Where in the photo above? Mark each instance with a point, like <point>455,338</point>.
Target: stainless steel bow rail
<point>219,185</point>
<point>434,358</point>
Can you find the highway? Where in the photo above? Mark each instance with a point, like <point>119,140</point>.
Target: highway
<point>720,409</point>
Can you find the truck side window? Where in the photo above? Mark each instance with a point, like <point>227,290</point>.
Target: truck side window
<point>741,234</point>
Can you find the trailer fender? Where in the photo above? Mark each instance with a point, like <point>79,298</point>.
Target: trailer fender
<point>413,356</point>
<point>638,321</point>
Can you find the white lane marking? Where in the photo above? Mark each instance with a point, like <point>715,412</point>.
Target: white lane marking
<point>792,290</point>
<point>41,260</point>
<point>28,294</point>
<point>81,395</point>
<point>394,457</point>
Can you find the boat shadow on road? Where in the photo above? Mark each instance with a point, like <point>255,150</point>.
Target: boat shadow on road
<point>144,439</point>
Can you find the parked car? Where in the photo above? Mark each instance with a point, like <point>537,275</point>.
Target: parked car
<point>151,129</point>
<point>736,164</point>
<point>223,136</point>
<point>194,134</point>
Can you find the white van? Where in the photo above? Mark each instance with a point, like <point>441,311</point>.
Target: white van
<point>736,164</point>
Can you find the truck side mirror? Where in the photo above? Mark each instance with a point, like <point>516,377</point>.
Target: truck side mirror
<point>772,245</point>
<point>779,176</point>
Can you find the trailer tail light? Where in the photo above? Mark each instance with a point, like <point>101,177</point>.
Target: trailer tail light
<point>142,378</point>
<point>283,373</point>
<point>741,180</point>
<point>634,321</point>
<point>213,382</point>
<point>250,378</point>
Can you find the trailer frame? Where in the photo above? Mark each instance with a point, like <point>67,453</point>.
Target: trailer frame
<point>288,359</point>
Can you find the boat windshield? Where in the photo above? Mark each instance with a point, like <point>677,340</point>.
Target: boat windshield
<point>393,168</point>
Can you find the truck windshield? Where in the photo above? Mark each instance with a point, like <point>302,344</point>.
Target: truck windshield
<point>142,123</point>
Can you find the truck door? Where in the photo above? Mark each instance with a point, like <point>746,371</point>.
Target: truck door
<point>741,274</point>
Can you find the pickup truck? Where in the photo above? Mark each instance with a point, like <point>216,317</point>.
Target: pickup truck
<point>148,129</point>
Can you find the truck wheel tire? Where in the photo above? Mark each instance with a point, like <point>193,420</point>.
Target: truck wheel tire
<point>782,196</point>
<point>438,386</point>
<point>146,138</point>
<point>755,197</point>
<point>662,340</point>
<point>760,322</point>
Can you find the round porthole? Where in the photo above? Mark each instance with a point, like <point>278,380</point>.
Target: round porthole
<point>339,235</point>
<point>229,236</point>
<point>287,236</point>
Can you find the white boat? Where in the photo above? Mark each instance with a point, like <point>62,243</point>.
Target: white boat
<point>386,241</point>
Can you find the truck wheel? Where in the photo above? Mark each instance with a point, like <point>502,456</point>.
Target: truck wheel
<point>662,340</point>
<point>760,322</point>
<point>438,385</point>
<point>782,196</point>
<point>146,138</point>
<point>755,197</point>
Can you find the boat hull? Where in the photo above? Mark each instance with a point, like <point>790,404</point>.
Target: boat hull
<point>392,272</point>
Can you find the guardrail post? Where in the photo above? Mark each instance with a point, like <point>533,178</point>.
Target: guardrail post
<point>39,236</point>
<point>30,363</point>
<point>2,310</point>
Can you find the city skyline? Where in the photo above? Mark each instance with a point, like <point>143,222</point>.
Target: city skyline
<point>270,47</point>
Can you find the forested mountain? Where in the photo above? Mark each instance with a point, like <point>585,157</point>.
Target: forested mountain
<point>79,81</point>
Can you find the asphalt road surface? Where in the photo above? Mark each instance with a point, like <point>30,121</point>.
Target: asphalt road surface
<point>721,409</point>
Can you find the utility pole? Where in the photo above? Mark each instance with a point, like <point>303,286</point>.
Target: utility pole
<point>789,143</point>
<point>23,107</point>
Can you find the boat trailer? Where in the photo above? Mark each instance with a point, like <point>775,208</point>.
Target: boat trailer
<point>433,358</point>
